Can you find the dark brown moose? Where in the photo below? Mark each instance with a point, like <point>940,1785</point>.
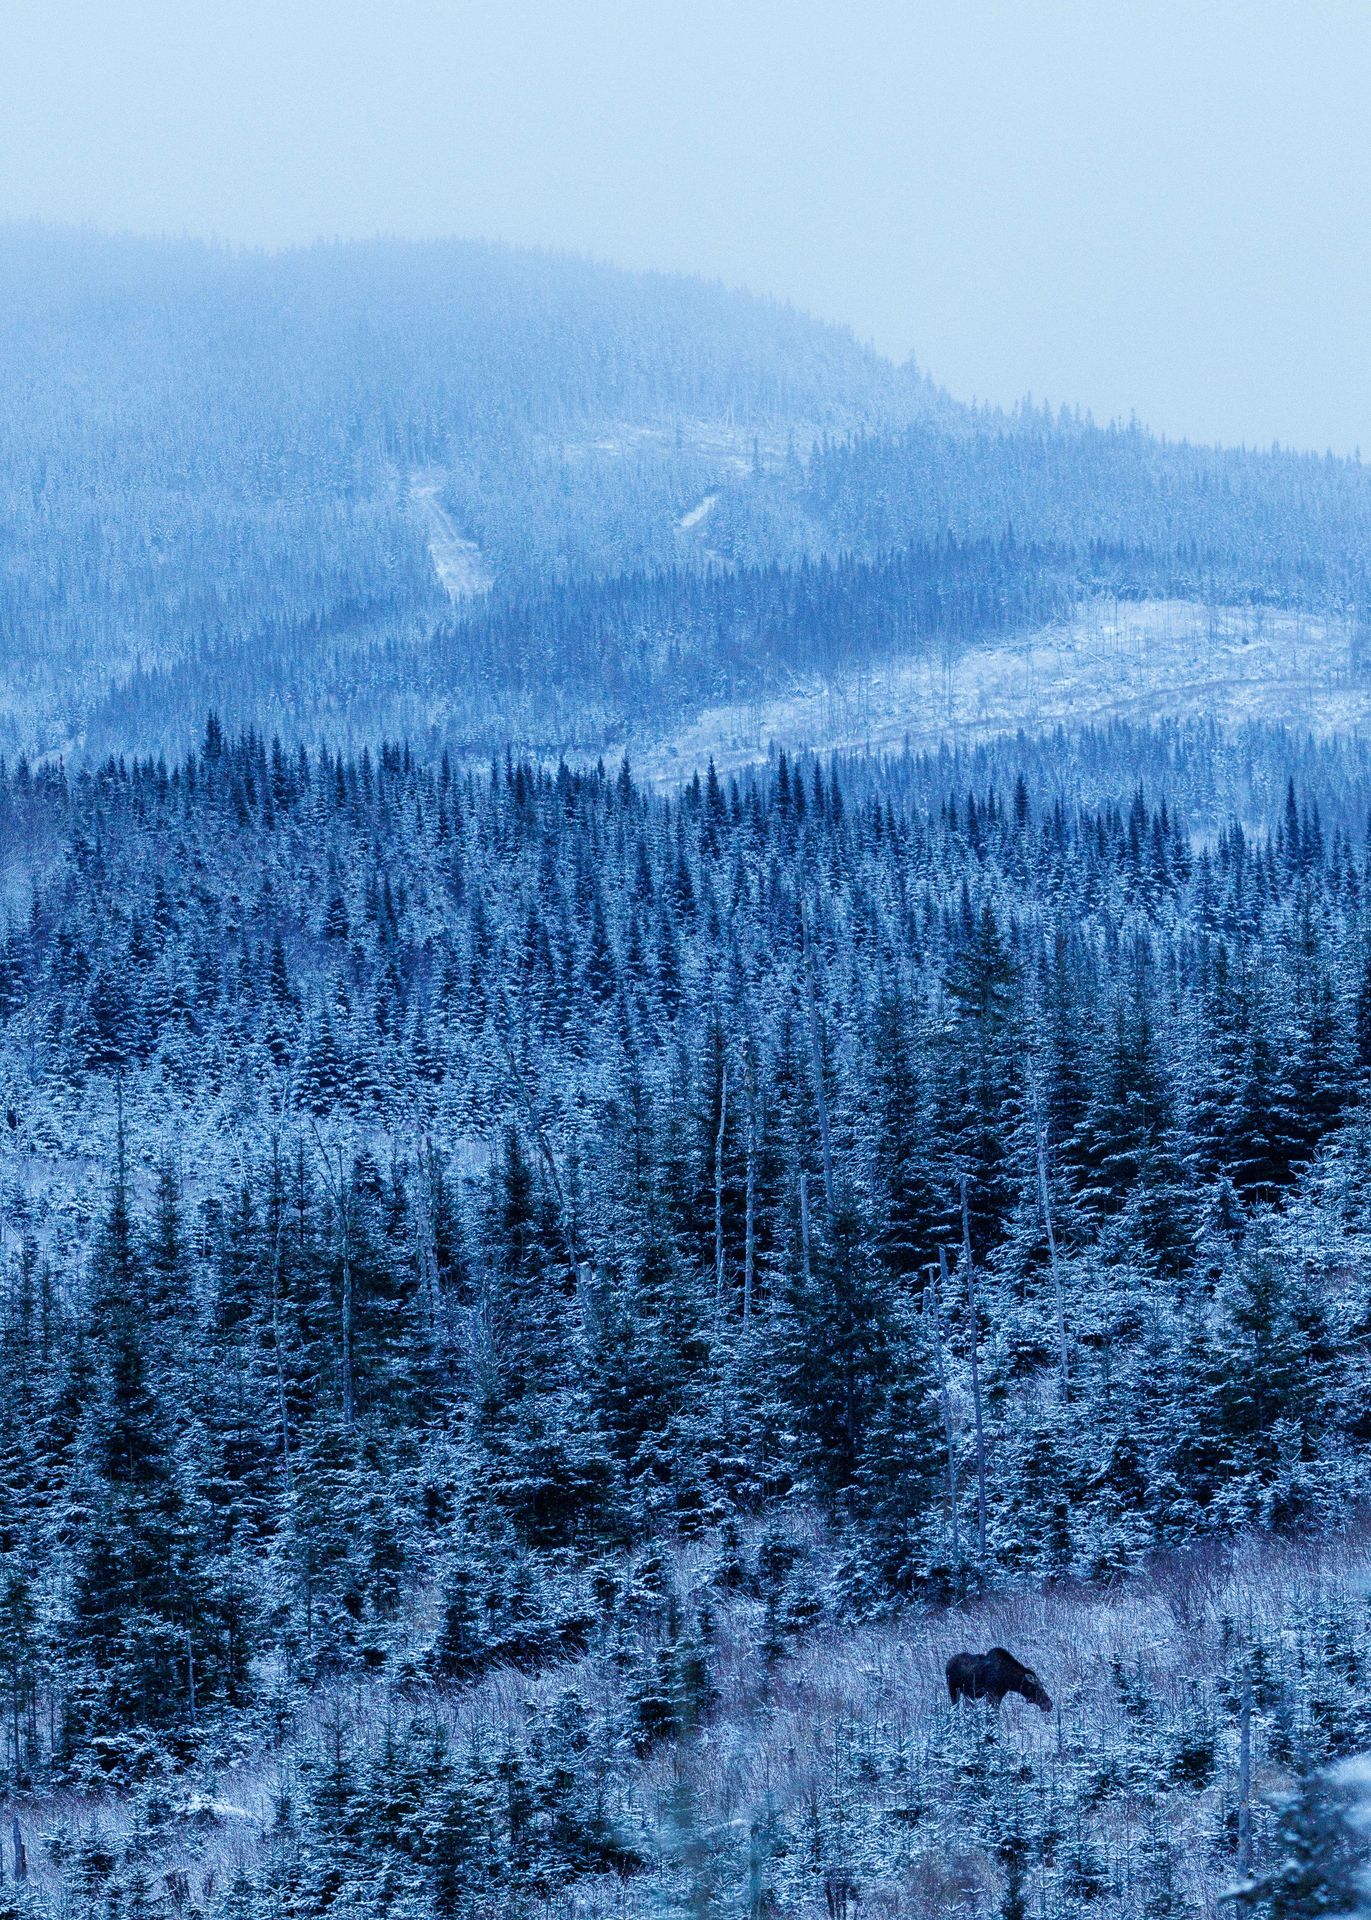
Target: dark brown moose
<point>990,1676</point>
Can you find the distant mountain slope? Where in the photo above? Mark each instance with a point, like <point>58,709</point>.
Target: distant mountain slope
<point>1274,525</point>
<point>598,665</point>
<point>198,443</point>
<point>474,493</point>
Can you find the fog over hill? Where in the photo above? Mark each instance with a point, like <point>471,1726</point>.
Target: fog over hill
<point>681,1028</point>
<point>208,450</point>
<point>379,487</point>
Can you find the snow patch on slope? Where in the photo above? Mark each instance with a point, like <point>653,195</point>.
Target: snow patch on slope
<point>1114,660</point>
<point>698,512</point>
<point>457,561</point>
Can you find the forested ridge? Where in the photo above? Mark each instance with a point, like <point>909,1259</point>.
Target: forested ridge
<point>537,1312</point>
<point>585,662</point>
<point>508,1224</point>
<point>220,470</point>
<point>1274,523</point>
<point>208,449</point>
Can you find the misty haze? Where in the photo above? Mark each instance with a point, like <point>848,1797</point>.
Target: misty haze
<point>685,987</point>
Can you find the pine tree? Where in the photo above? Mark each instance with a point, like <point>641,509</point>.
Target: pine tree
<point>1319,1857</point>
<point>906,1203</point>
<point>153,1639</point>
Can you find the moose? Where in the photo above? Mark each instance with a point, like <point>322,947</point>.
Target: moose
<point>990,1676</point>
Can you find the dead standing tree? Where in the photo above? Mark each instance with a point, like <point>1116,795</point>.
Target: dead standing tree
<point>1063,1349</point>
<point>278,1228</point>
<point>750,1145</point>
<point>566,1211</point>
<point>975,1343</point>
<point>750,1221</point>
<point>340,1192</point>
<point>719,1188</point>
<point>816,1049</point>
<point>934,1309</point>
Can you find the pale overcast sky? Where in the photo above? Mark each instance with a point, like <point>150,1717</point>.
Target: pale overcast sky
<point>1150,206</point>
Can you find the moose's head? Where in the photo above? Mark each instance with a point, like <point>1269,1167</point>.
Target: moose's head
<point>1034,1692</point>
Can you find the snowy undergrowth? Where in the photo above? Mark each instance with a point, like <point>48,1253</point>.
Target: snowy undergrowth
<point>835,1778</point>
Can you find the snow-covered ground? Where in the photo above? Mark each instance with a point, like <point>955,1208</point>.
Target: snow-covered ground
<point>1124,660</point>
<point>457,561</point>
<point>698,512</point>
<point>731,448</point>
<point>1137,1668</point>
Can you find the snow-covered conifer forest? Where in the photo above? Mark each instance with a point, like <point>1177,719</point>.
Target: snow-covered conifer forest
<point>553,1271</point>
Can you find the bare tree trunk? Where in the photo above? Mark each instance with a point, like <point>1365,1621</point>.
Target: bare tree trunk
<point>719,1190</point>
<point>438,1307</point>
<point>1063,1352</point>
<point>944,1394</point>
<point>565,1213</point>
<point>425,1234</point>
<point>1245,1780</point>
<point>804,1230</point>
<point>345,1223</point>
<point>975,1373</point>
<point>339,1189</point>
<point>282,1406</point>
<point>816,1050</point>
<point>750,1230</point>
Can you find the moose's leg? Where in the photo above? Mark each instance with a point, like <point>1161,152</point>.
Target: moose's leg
<point>958,1680</point>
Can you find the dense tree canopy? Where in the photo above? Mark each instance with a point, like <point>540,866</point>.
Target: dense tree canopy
<point>494,1177</point>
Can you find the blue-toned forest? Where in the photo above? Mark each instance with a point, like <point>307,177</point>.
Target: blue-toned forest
<point>539,1306</point>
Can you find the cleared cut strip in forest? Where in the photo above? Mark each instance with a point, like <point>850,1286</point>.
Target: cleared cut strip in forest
<point>1115,660</point>
<point>462,572</point>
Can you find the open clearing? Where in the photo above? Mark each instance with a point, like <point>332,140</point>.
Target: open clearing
<point>1124,660</point>
<point>457,562</point>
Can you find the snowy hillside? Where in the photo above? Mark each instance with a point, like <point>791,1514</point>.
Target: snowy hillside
<point>682,1029</point>
<point>1126,660</point>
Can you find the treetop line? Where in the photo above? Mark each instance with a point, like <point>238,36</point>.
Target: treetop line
<point>961,1151</point>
